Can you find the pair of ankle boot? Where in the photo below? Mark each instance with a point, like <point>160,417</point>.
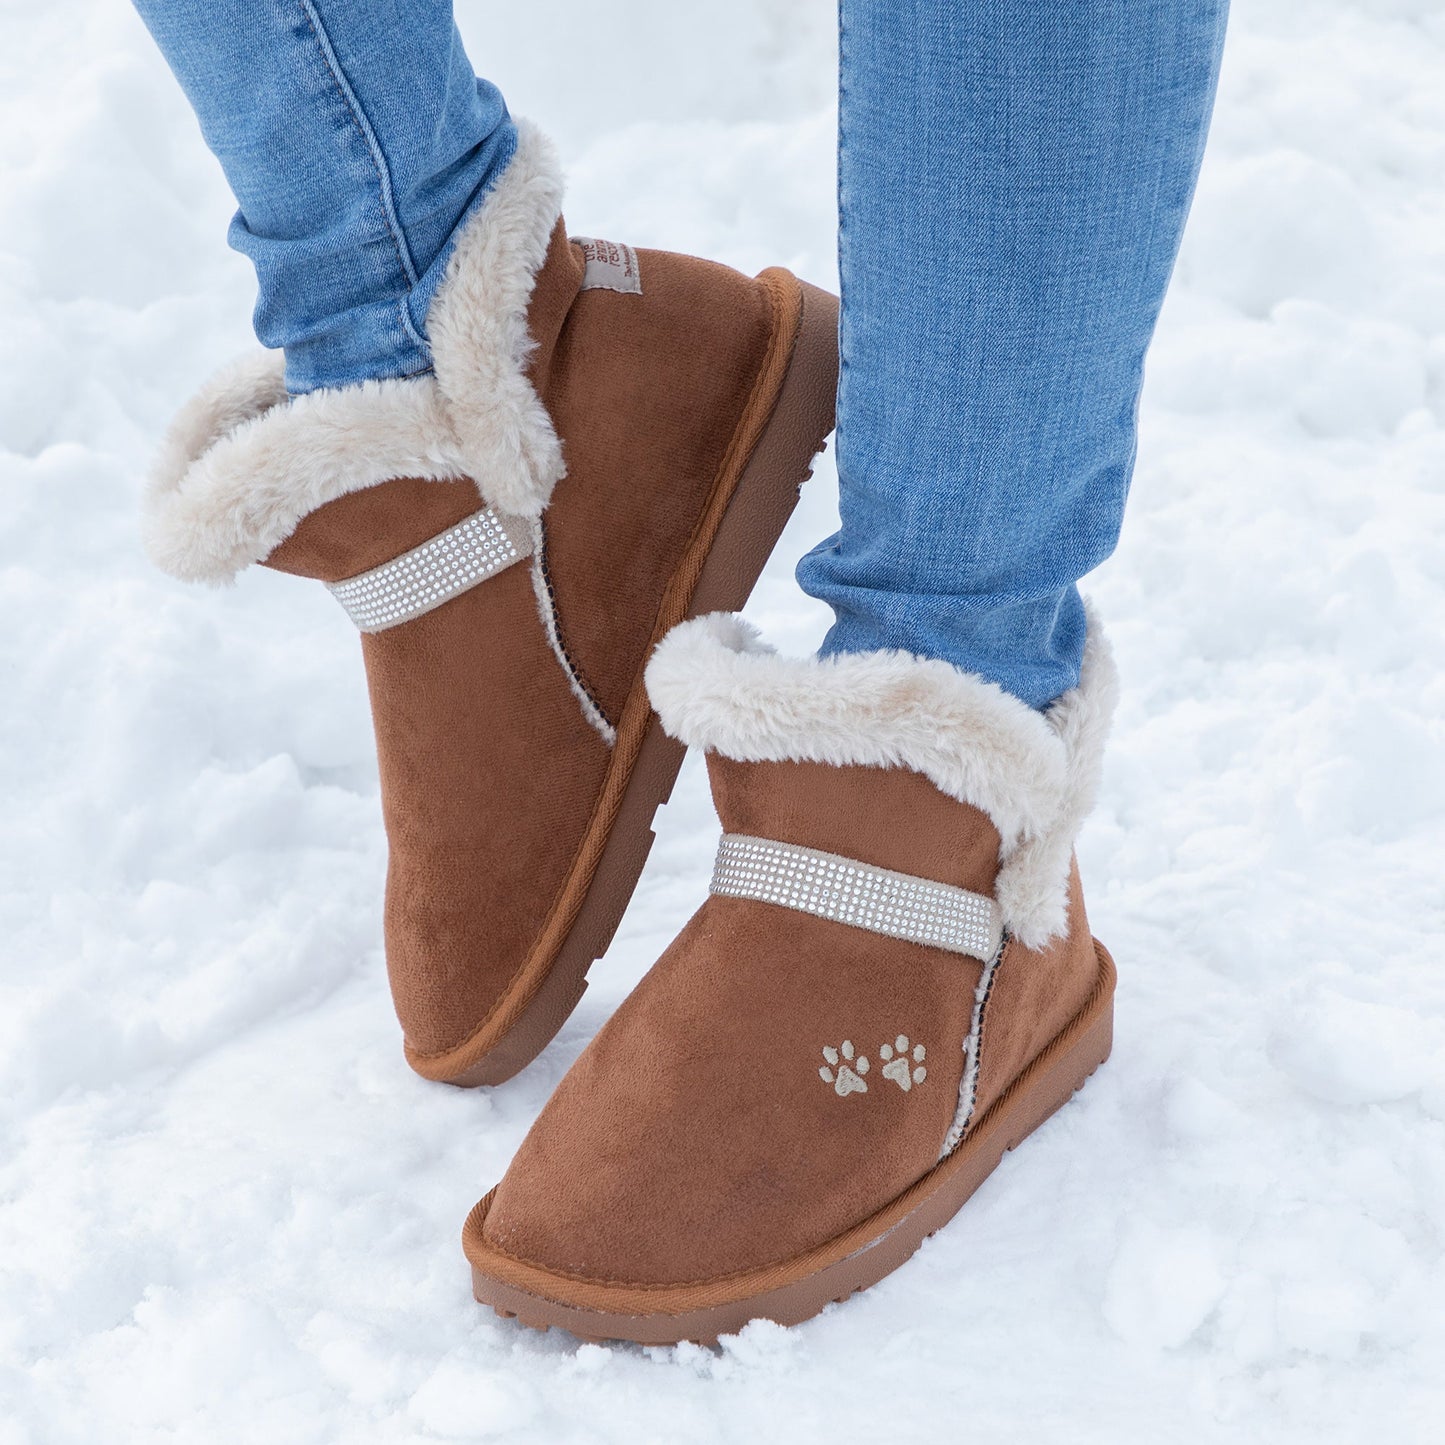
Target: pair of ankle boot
<point>892,979</point>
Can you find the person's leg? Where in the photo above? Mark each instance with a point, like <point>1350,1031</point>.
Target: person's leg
<point>356,139</point>
<point>1013,182</point>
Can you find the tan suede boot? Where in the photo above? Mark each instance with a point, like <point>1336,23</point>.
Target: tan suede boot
<point>892,983</point>
<point>612,441</point>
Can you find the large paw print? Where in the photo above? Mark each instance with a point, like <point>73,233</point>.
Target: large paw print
<point>904,1069</point>
<point>844,1069</point>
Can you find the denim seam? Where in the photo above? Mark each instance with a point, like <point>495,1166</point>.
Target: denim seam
<point>379,164</point>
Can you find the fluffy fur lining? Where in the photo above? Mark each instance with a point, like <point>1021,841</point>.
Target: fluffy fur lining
<point>547,612</point>
<point>716,686</point>
<point>968,1085</point>
<point>478,331</point>
<point>240,470</point>
<point>242,464</point>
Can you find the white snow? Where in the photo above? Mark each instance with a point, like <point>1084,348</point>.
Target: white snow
<point>228,1211</point>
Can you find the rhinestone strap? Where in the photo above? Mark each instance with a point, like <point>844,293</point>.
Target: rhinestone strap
<point>444,567</point>
<point>847,891</point>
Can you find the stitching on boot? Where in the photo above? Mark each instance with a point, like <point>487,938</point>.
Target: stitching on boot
<point>552,624</point>
<point>972,1051</point>
<point>903,1062</point>
<point>843,1069</point>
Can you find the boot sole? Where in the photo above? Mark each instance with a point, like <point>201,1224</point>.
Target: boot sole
<point>798,1289</point>
<point>781,432</point>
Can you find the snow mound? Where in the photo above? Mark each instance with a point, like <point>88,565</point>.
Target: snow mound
<point>229,1213</point>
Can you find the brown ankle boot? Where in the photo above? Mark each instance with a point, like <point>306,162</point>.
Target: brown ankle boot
<point>611,443</point>
<point>892,983</point>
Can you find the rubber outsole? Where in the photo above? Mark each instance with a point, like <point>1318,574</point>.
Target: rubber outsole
<point>798,1289</point>
<point>733,543</point>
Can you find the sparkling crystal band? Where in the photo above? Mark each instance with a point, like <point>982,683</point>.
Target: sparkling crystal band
<point>847,891</point>
<point>444,567</point>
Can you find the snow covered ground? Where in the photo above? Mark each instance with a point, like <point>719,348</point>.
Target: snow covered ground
<point>229,1213</point>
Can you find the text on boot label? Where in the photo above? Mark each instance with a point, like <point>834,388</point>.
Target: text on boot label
<point>611,266</point>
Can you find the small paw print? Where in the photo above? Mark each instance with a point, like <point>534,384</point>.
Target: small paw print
<point>897,1065</point>
<point>844,1069</point>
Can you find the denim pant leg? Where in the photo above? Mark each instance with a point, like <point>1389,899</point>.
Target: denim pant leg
<point>356,139</point>
<point>1013,182</point>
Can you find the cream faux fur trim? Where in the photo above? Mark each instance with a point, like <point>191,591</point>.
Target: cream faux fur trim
<point>242,464</point>
<point>547,613</point>
<point>716,686</point>
<point>240,468</point>
<point>968,1085</point>
<point>478,331</point>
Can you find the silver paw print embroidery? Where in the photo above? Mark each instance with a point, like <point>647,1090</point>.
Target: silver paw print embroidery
<point>903,1068</point>
<point>844,1069</point>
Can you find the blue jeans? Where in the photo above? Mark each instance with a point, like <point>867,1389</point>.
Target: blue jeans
<point>357,140</point>
<point>1013,183</point>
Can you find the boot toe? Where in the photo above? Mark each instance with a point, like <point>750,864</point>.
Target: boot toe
<point>695,1139</point>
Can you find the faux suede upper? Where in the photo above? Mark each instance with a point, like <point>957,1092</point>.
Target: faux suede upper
<point>889,817</point>
<point>646,398</point>
<point>778,1077</point>
<point>466,894</point>
<point>1031,995</point>
<point>696,1138</point>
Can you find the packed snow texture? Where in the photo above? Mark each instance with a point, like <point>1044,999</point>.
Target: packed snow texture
<point>228,1211</point>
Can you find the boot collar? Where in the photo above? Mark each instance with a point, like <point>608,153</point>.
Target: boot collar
<point>718,687</point>
<point>243,464</point>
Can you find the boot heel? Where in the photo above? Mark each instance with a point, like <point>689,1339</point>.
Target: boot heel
<point>1066,1065</point>
<point>1056,1074</point>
